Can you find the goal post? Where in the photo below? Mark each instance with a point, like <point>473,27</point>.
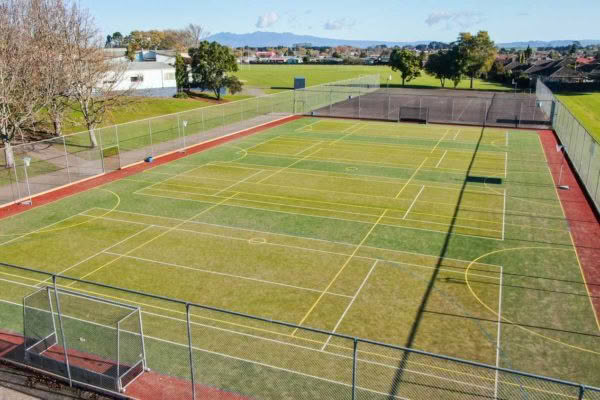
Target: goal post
<point>85,339</point>
<point>413,114</point>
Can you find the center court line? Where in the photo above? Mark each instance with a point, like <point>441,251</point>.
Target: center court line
<point>440,161</point>
<point>289,166</point>
<point>337,325</point>
<point>341,270</point>
<point>158,236</point>
<point>414,202</point>
<point>207,271</point>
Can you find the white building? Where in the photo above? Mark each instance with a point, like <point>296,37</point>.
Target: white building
<point>149,78</point>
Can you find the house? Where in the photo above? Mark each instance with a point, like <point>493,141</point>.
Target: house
<point>154,79</point>
<point>555,71</point>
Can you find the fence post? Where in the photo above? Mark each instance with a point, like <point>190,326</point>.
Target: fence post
<point>66,158</point>
<point>189,332</point>
<point>581,392</point>
<point>118,145</point>
<point>62,331</point>
<point>119,356</point>
<point>354,351</point>
<point>101,151</point>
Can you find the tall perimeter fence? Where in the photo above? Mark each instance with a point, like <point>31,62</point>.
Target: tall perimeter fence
<point>192,351</point>
<point>579,144</point>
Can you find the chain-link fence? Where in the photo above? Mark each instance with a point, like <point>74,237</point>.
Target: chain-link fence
<point>515,110</point>
<point>48,164</point>
<point>581,146</point>
<point>195,351</point>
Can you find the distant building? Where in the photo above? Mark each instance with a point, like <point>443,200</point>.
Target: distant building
<point>302,45</point>
<point>154,79</point>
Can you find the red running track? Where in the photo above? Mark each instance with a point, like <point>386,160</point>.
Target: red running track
<point>583,221</point>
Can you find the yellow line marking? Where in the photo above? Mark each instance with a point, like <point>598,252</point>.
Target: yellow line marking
<point>45,230</point>
<point>340,270</point>
<point>289,166</point>
<point>572,241</point>
<point>508,320</point>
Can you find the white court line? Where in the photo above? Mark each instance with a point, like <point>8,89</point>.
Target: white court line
<point>39,230</point>
<point>350,131</point>
<point>506,141</point>
<point>206,271</point>
<point>411,178</point>
<point>439,141</point>
<point>499,333</point>
<point>504,215</point>
<point>294,236</point>
<point>414,202</point>
<point>308,148</point>
<point>337,325</point>
<point>230,186</point>
<point>457,133</point>
<point>440,161</point>
<point>101,251</point>
<point>289,166</point>
<point>506,165</point>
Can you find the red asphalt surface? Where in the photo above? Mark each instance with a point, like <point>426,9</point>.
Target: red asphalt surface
<point>79,187</point>
<point>579,211</point>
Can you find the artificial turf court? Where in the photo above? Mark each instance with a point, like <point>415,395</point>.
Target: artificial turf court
<point>447,239</point>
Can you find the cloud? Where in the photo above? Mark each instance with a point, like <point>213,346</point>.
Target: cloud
<point>462,19</point>
<point>267,20</point>
<point>338,24</point>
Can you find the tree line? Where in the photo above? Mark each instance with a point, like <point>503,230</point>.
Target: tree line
<point>52,66</point>
<point>471,56</point>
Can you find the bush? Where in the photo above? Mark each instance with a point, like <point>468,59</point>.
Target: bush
<point>181,95</point>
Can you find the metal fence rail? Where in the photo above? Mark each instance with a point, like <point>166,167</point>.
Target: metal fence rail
<point>196,351</point>
<point>582,148</point>
<point>59,161</point>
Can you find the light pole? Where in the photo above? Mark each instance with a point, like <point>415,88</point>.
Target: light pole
<point>27,163</point>
<point>560,149</point>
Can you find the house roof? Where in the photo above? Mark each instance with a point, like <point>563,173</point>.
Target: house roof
<point>547,67</point>
<point>585,60</point>
<point>148,65</point>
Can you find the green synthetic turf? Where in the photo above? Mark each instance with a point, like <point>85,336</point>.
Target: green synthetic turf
<point>586,108</point>
<point>399,233</point>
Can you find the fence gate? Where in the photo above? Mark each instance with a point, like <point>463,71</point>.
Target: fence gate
<point>84,339</point>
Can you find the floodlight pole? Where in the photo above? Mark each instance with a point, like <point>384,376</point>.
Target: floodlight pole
<point>184,123</point>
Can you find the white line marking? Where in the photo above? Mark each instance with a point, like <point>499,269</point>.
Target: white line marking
<point>506,141</point>
<point>289,166</point>
<point>464,109</point>
<point>457,133</point>
<point>440,161</point>
<point>497,379</point>
<point>236,183</point>
<point>411,178</point>
<point>439,141</point>
<point>505,165</point>
<point>308,148</point>
<point>337,325</point>
<point>224,274</point>
<point>504,215</point>
<point>414,202</point>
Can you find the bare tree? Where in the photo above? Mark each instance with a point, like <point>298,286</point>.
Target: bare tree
<point>24,57</point>
<point>97,84</point>
<point>193,35</point>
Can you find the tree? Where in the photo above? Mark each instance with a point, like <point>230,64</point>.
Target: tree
<point>437,66</point>
<point>181,74</point>
<point>132,49</point>
<point>477,52</point>
<point>289,53</point>
<point>528,52</point>
<point>108,42</point>
<point>117,39</point>
<point>95,84</point>
<point>407,62</point>
<point>193,35</point>
<point>210,64</point>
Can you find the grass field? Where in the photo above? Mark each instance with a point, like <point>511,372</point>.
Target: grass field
<point>275,78</point>
<point>586,108</point>
<point>447,239</point>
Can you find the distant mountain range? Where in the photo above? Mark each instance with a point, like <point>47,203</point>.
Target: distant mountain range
<point>273,39</point>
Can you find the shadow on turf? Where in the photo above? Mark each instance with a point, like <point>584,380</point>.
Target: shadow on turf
<point>403,364</point>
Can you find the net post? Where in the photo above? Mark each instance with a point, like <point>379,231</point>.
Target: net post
<point>189,332</point>
<point>66,158</point>
<point>62,331</point>
<point>179,131</point>
<point>354,353</point>
<point>581,392</point>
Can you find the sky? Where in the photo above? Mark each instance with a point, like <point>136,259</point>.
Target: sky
<point>389,20</point>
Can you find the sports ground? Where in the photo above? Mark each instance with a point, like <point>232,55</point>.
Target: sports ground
<point>447,239</point>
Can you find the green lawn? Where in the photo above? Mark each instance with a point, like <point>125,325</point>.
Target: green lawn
<point>586,108</point>
<point>370,229</point>
<point>274,78</point>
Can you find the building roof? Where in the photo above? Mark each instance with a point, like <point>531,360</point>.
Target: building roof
<point>148,65</point>
<point>585,60</point>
